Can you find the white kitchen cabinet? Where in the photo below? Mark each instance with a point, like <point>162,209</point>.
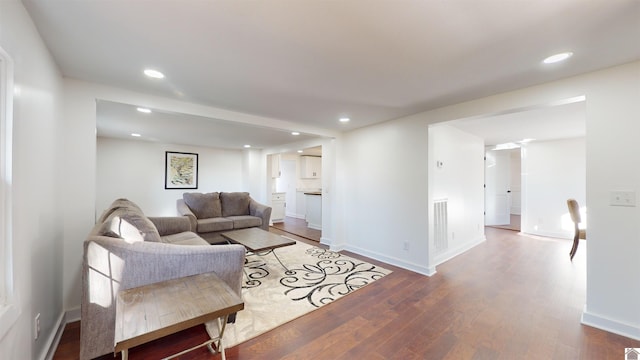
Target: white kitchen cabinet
<point>310,167</point>
<point>275,166</point>
<point>277,207</point>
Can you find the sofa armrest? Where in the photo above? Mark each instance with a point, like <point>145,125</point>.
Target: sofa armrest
<point>168,225</point>
<point>261,211</point>
<point>110,265</point>
<point>184,210</point>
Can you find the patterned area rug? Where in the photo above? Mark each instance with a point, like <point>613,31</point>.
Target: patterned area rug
<point>273,296</point>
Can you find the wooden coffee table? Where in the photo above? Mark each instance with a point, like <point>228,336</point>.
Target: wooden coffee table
<point>156,310</point>
<point>259,242</point>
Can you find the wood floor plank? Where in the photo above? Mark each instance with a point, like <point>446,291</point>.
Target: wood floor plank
<point>298,227</point>
<point>513,296</point>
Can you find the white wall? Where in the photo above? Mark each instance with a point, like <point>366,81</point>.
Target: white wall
<point>253,170</point>
<point>613,247</point>
<point>385,193</point>
<point>554,172</point>
<point>135,170</point>
<point>459,180</point>
<point>386,175</point>
<point>37,183</point>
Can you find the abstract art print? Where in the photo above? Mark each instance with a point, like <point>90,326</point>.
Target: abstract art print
<point>181,170</point>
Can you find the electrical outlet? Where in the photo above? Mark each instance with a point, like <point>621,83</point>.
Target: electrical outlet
<point>36,327</point>
<point>406,245</point>
<point>622,198</point>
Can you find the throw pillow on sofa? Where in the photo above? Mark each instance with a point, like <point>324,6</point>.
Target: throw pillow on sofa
<point>129,225</point>
<point>116,227</point>
<point>235,203</point>
<point>204,206</point>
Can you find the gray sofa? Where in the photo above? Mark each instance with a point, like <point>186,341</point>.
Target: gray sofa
<point>126,249</point>
<point>213,213</point>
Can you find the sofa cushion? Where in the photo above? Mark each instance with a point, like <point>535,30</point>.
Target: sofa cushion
<point>245,221</point>
<point>204,206</point>
<point>130,225</point>
<point>214,224</point>
<point>235,203</point>
<point>184,238</point>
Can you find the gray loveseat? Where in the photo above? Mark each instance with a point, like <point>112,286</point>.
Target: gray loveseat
<point>213,213</point>
<point>126,249</point>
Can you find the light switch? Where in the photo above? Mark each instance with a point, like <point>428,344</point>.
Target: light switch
<point>622,198</point>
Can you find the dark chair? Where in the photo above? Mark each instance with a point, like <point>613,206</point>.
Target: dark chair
<point>574,211</point>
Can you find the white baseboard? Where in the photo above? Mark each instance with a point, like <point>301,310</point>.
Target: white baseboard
<point>325,241</point>
<point>72,315</point>
<point>314,226</point>
<point>451,253</point>
<point>610,325</point>
<point>420,269</point>
<point>54,339</point>
<point>297,216</point>
<point>424,270</point>
<point>557,235</point>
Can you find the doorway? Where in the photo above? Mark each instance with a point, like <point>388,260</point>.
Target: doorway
<point>503,188</point>
<point>294,184</point>
<point>551,141</point>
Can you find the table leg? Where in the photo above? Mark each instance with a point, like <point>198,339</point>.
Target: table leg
<point>125,354</point>
<point>287,271</point>
<point>222,322</point>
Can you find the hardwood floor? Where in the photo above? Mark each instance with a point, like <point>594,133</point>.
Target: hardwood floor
<point>298,227</point>
<point>512,297</point>
<point>514,223</point>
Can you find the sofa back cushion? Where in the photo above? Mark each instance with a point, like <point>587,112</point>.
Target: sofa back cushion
<point>204,206</point>
<point>129,225</point>
<point>118,204</point>
<point>235,203</point>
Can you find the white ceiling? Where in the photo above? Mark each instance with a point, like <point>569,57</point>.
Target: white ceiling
<point>118,120</point>
<point>562,121</point>
<point>311,62</point>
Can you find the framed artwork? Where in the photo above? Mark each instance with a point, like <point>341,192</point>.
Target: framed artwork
<point>180,170</point>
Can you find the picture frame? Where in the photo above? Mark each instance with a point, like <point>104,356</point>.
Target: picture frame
<point>180,170</point>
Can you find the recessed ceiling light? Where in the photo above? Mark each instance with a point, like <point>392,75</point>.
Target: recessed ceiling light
<point>557,57</point>
<point>300,151</point>
<point>144,110</point>
<point>506,146</point>
<point>295,133</point>
<point>135,135</point>
<point>247,146</point>
<point>345,119</point>
<point>154,74</point>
